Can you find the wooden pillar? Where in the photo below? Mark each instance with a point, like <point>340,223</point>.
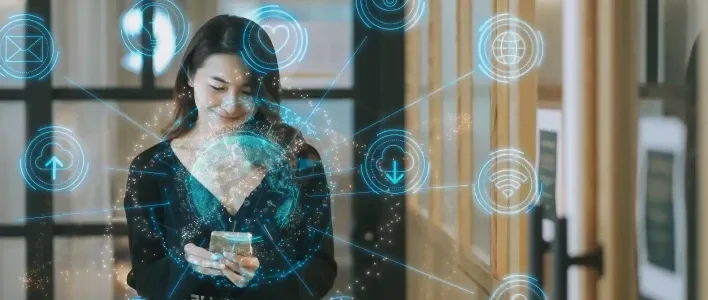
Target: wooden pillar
<point>435,104</point>
<point>500,140</point>
<point>465,144</point>
<point>526,128</point>
<point>617,151</point>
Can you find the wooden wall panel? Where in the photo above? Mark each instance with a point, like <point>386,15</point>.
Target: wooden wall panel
<point>617,152</point>
<point>500,140</point>
<point>702,180</point>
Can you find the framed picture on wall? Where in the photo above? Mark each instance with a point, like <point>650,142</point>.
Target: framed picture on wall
<point>661,208</point>
<point>548,165</point>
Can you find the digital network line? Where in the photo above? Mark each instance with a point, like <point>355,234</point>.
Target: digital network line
<point>116,110</point>
<point>392,260</point>
<point>407,106</point>
<point>372,192</point>
<point>286,258</point>
<point>182,276</point>
<point>325,173</point>
<point>332,84</point>
<point>144,172</point>
<point>90,212</point>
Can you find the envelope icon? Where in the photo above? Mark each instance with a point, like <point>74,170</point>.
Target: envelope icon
<point>33,52</point>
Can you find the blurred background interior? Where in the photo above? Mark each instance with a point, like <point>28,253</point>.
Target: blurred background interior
<point>436,232</point>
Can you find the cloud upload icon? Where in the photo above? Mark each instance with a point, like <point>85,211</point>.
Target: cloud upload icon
<point>64,159</point>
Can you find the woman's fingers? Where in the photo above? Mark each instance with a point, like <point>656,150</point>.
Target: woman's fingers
<point>195,250</point>
<point>238,280</point>
<point>203,262</point>
<point>239,263</point>
<point>206,271</point>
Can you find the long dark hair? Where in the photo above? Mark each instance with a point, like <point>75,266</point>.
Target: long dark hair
<point>225,34</point>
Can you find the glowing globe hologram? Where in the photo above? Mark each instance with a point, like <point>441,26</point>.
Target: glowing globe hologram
<point>507,172</point>
<point>54,161</point>
<point>518,287</point>
<point>170,30</point>
<point>290,40</point>
<point>395,164</point>
<point>231,167</point>
<point>508,48</point>
<point>28,50</point>
<point>385,14</point>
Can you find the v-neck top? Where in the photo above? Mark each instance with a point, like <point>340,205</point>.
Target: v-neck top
<point>166,208</point>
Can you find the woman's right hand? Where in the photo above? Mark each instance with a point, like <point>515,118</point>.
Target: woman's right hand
<point>203,261</point>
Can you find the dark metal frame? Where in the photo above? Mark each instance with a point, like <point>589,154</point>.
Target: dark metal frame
<point>38,97</point>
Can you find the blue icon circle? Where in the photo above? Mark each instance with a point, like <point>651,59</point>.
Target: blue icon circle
<point>378,13</point>
<point>54,161</point>
<point>518,287</point>
<point>508,48</point>
<point>395,164</point>
<point>290,40</point>
<point>166,16</point>
<point>28,50</point>
<point>505,173</point>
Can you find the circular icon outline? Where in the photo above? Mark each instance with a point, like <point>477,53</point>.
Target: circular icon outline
<point>53,134</point>
<point>519,281</point>
<point>409,20</point>
<point>484,199</point>
<point>487,30</point>
<point>46,63</point>
<point>291,24</point>
<point>370,168</point>
<point>182,27</point>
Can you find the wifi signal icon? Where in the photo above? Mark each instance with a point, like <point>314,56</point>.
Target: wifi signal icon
<point>508,181</point>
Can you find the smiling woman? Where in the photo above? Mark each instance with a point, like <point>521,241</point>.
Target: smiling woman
<point>232,165</point>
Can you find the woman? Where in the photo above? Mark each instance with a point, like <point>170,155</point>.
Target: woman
<point>250,185</point>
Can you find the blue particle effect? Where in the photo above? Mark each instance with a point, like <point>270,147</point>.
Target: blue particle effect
<point>133,26</point>
<point>507,171</point>
<point>54,161</point>
<point>518,287</point>
<point>395,164</point>
<point>377,14</point>
<point>291,49</point>
<point>277,217</point>
<point>28,50</point>
<point>508,48</point>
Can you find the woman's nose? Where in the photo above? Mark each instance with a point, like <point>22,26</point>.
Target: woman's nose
<point>229,104</point>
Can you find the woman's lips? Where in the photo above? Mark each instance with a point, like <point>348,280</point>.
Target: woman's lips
<point>228,118</point>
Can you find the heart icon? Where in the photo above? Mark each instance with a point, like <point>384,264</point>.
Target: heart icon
<point>275,38</point>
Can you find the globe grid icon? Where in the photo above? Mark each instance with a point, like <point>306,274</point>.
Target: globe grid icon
<point>508,48</point>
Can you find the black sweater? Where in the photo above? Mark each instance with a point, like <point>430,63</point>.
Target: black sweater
<point>297,259</point>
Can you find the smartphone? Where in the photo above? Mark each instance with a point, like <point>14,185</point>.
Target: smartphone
<point>234,242</point>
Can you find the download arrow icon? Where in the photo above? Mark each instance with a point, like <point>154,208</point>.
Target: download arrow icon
<point>55,162</point>
<point>393,175</point>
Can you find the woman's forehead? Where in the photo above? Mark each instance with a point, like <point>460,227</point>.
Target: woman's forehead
<point>226,66</point>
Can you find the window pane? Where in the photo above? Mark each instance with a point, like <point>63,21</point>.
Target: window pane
<point>111,134</point>
<point>341,165</point>
<point>9,8</point>
<point>90,44</point>
<point>12,115</point>
<point>482,225</point>
<point>449,121</point>
<point>12,264</point>
<point>83,268</point>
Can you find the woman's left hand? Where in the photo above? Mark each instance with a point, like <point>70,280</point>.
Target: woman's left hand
<point>240,269</point>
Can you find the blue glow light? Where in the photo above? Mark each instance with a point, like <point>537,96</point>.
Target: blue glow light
<point>508,48</point>
<point>163,40</point>
<point>375,13</point>
<point>170,31</point>
<point>504,162</point>
<point>390,181</point>
<point>518,287</point>
<point>32,60</point>
<point>36,160</point>
<point>273,20</point>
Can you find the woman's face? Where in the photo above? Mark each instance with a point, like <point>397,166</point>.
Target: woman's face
<point>222,93</point>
